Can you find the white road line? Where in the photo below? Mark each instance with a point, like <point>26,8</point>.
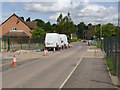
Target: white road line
<point>70,74</point>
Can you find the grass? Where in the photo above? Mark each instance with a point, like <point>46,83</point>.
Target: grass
<point>95,44</point>
<point>73,40</point>
<point>110,65</point>
<point>98,46</point>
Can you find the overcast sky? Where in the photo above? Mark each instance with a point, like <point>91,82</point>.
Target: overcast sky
<point>81,11</point>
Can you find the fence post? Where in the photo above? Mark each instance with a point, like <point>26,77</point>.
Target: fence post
<point>118,58</point>
<point>8,44</point>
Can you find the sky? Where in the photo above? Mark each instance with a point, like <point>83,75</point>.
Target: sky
<point>81,10</point>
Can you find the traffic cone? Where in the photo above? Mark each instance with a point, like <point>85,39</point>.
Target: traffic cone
<point>46,52</point>
<point>70,45</point>
<point>54,50</point>
<point>14,61</point>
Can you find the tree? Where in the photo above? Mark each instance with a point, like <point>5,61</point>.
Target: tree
<point>40,22</point>
<point>97,29</point>
<point>48,27</point>
<point>28,19</point>
<point>54,27</point>
<point>65,25</point>
<point>38,32</point>
<point>108,30</point>
<point>80,32</point>
<point>22,18</point>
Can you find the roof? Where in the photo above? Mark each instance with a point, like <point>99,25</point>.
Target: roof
<point>30,24</point>
<point>17,33</point>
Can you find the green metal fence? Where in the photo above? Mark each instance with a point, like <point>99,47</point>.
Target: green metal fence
<point>14,44</point>
<point>112,50</point>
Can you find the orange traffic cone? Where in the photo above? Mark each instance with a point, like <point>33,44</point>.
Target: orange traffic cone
<point>54,50</point>
<point>46,52</point>
<point>14,61</point>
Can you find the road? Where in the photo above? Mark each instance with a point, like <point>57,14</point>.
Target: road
<point>45,72</point>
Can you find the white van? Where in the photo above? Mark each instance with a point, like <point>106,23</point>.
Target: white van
<point>52,40</point>
<point>64,39</point>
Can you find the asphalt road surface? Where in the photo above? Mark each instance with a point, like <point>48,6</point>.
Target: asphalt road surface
<point>45,72</point>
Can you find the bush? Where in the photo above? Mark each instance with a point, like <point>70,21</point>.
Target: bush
<point>79,39</point>
<point>73,40</point>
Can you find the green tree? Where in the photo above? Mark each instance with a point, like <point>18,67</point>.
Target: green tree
<point>108,30</point>
<point>80,31</point>
<point>40,23</point>
<point>65,25</point>
<point>48,27</point>
<point>28,19</point>
<point>54,27</point>
<point>97,29</point>
<point>22,18</point>
<point>38,32</point>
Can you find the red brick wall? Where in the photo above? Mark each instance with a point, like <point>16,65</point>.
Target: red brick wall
<point>12,23</point>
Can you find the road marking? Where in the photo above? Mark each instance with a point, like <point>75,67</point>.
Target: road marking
<point>94,50</point>
<point>70,74</point>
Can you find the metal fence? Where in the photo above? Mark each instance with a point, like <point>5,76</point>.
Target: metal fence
<point>15,44</point>
<point>112,50</point>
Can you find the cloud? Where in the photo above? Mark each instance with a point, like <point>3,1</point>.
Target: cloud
<point>97,14</point>
<point>54,17</point>
<point>51,7</point>
<point>80,12</point>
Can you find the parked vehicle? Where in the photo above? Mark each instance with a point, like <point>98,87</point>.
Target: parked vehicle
<point>84,40</point>
<point>64,40</point>
<point>52,40</point>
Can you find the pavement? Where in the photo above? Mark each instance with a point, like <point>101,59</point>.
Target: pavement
<point>53,70</point>
<point>91,72</point>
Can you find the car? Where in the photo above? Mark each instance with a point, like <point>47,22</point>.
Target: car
<point>84,40</point>
<point>52,40</point>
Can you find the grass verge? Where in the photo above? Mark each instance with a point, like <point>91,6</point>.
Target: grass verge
<point>95,44</point>
<point>110,65</point>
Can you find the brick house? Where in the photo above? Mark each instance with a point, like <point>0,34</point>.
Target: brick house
<point>14,26</point>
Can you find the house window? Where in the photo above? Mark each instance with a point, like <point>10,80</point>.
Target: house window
<point>14,28</point>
